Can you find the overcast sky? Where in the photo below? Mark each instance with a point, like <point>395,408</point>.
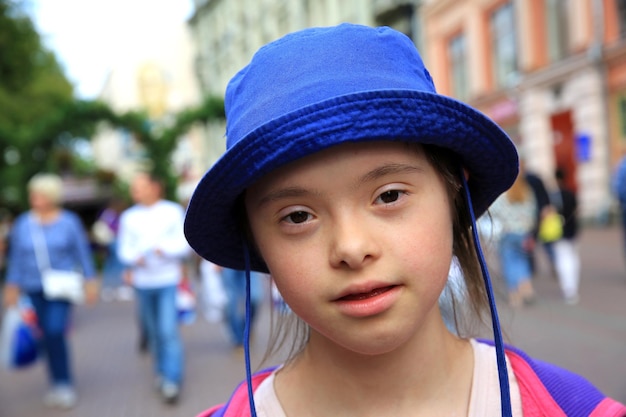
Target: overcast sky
<point>88,35</point>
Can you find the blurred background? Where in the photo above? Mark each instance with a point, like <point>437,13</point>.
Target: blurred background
<point>96,90</point>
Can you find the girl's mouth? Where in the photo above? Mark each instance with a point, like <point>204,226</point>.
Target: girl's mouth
<point>368,304</point>
<point>363,296</point>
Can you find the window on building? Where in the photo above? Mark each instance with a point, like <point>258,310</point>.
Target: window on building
<point>557,28</point>
<point>457,56</point>
<point>504,45</point>
<point>621,16</point>
<point>400,18</point>
<point>282,17</point>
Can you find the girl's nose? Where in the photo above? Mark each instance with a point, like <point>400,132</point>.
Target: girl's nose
<point>353,244</point>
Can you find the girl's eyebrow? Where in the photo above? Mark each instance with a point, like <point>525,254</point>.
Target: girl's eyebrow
<point>374,174</point>
<point>288,192</point>
<point>388,169</point>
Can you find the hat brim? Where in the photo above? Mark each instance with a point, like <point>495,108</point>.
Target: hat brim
<point>211,223</point>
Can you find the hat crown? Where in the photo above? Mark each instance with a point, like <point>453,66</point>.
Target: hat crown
<point>318,64</point>
<point>321,87</point>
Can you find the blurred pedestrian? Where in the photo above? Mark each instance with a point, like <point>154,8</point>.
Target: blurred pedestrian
<point>619,189</point>
<point>566,257</point>
<point>453,299</point>
<point>152,245</point>
<point>142,345</point>
<point>105,233</point>
<point>515,214</point>
<point>213,297</point>
<point>542,199</point>
<point>58,232</point>
<point>278,302</point>
<point>6,220</point>
<point>234,285</point>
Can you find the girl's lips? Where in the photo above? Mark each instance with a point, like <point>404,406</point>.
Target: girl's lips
<point>370,303</point>
<point>365,295</point>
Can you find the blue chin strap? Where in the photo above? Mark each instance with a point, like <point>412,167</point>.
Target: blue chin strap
<point>503,376</point>
<point>246,332</point>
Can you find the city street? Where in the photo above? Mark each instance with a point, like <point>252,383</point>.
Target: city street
<point>114,380</point>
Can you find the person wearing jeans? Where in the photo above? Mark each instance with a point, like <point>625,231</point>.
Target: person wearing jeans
<point>619,189</point>
<point>234,284</point>
<point>64,241</point>
<point>53,317</point>
<point>157,309</point>
<point>567,258</point>
<point>152,244</point>
<point>514,213</point>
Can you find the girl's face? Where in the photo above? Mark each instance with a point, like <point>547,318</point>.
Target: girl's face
<point>359,241</point>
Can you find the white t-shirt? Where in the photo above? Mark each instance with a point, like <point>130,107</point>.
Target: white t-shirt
<point>146,229</point>
<point>484,400</point>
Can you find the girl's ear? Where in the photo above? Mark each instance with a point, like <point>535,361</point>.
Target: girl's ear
<point>466,173</point>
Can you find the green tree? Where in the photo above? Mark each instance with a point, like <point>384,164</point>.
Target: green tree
<point>79,119</point>
<point>33,88</point>
<point>160,147</point>
<point>40,119</point>
<point>18,42</point>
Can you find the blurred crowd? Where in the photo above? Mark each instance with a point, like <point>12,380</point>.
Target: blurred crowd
<point>135,250</point>
<point>144,257</point>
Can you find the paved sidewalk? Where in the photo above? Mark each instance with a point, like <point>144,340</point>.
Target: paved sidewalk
<point>114,380</point>
<point>588,338</point>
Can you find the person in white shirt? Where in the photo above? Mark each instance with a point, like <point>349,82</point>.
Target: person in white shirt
<point>153,246</point>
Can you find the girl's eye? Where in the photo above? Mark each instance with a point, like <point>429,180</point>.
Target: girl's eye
<point>389,197</point>
<point>297,217</point>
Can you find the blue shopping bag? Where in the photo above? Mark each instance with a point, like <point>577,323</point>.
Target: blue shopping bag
<point>19,340</point>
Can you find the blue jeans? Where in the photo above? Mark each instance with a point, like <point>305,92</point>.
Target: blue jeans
<point>113,268</point>
<point>623,212</point>
<point>234,283</point>
<point>514,263</point>
<point>157,308</point>
<point>53,317</point>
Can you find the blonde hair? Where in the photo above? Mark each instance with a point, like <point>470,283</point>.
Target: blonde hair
<point>519,191</point>
<point>49,185</point>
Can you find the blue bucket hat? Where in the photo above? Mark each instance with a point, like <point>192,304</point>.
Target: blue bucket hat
<point>321,87</point>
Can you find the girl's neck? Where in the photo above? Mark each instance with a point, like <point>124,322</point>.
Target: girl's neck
<point>417,376</point>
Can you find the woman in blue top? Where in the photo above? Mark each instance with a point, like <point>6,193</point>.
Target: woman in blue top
<point>68,249</point>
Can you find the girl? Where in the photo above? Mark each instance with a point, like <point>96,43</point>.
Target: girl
<point>353,183</point>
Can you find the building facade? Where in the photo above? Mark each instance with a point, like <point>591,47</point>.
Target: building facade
<point>552,73</point>
<point>614,58</point>
<point>228,33</point>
